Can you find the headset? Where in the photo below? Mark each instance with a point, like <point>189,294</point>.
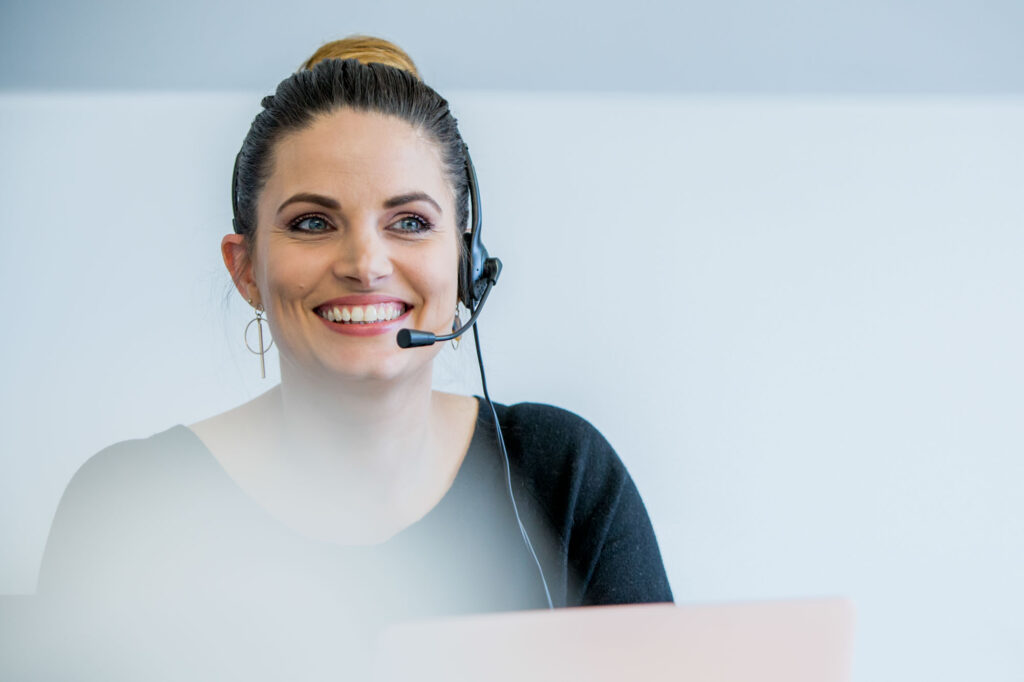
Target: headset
<point>478,273</point>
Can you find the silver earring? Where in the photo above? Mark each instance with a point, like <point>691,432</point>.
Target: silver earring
<point>259,330</point>
<point>456,323</point>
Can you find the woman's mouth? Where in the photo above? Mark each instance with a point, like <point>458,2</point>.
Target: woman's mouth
<point>362,314</point>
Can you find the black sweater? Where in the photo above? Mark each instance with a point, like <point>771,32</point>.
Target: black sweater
<point>152,536</point>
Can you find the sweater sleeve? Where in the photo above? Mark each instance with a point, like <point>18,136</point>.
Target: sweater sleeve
<point>595,507</point>
<point>624,563</point>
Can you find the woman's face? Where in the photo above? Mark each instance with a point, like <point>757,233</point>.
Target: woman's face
<point>355,239</point>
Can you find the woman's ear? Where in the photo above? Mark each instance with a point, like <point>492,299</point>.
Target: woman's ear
<point>236,257</point>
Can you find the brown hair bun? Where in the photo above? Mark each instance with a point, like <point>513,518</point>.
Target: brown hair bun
<point>365,49</point>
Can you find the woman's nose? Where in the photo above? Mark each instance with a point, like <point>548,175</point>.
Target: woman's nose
<point>364,258</point>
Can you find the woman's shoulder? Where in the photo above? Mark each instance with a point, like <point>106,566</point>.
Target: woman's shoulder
<point>591,502</point>
<point>559,452</point>
<point>130,489</point>
<point>156,457</point>
<point>540,415</point>
<point>134,474</point>
<point>550,431</point>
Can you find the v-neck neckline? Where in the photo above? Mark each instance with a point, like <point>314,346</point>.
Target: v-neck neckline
<point>473,463</point>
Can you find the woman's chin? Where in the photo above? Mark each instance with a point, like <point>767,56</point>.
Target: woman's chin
<point>362,365</point>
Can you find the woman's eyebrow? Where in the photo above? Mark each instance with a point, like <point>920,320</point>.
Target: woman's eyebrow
<point>326,202</point>
<point>410,197</point>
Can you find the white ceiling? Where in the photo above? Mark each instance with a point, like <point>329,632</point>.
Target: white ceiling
<point>807,46</point>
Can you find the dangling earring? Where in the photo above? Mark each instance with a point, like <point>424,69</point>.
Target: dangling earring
<point>456,323</point>
<point>259,328</point>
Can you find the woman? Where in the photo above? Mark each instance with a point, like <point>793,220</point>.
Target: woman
<point>351,495</point>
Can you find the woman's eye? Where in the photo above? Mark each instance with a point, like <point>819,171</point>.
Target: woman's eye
<point>309,223</point>
<point>411,223</point>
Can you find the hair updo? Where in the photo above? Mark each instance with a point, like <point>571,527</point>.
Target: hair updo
<point>360,73</point>
<point>366,50</point>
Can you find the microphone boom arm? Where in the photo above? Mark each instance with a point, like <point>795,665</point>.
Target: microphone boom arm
<point>413,338</point>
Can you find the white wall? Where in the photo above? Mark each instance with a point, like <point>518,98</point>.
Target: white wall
<point>799,321</point>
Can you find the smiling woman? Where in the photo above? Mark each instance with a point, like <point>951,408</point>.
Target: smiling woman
<point>357,214</point>
<point>276,539</point>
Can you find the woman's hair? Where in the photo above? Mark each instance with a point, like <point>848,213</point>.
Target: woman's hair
<point>365,49</point>
<point>360,73</point>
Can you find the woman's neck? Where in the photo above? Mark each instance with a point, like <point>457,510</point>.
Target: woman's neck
<point>376,442</point>
<point>372,425</point>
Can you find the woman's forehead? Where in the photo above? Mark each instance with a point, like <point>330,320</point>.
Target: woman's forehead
<point>357,152</point>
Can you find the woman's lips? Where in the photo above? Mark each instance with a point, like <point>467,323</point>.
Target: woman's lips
<point>364,320</point>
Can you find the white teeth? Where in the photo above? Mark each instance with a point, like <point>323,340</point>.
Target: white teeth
<point>368,314</point>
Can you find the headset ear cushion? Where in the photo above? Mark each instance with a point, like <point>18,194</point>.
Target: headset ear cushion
<point>466,270</point>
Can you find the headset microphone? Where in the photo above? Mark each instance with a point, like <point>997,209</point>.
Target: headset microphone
<point>411,338</point>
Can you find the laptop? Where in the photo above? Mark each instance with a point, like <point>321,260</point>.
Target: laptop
<point>791,641</point>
